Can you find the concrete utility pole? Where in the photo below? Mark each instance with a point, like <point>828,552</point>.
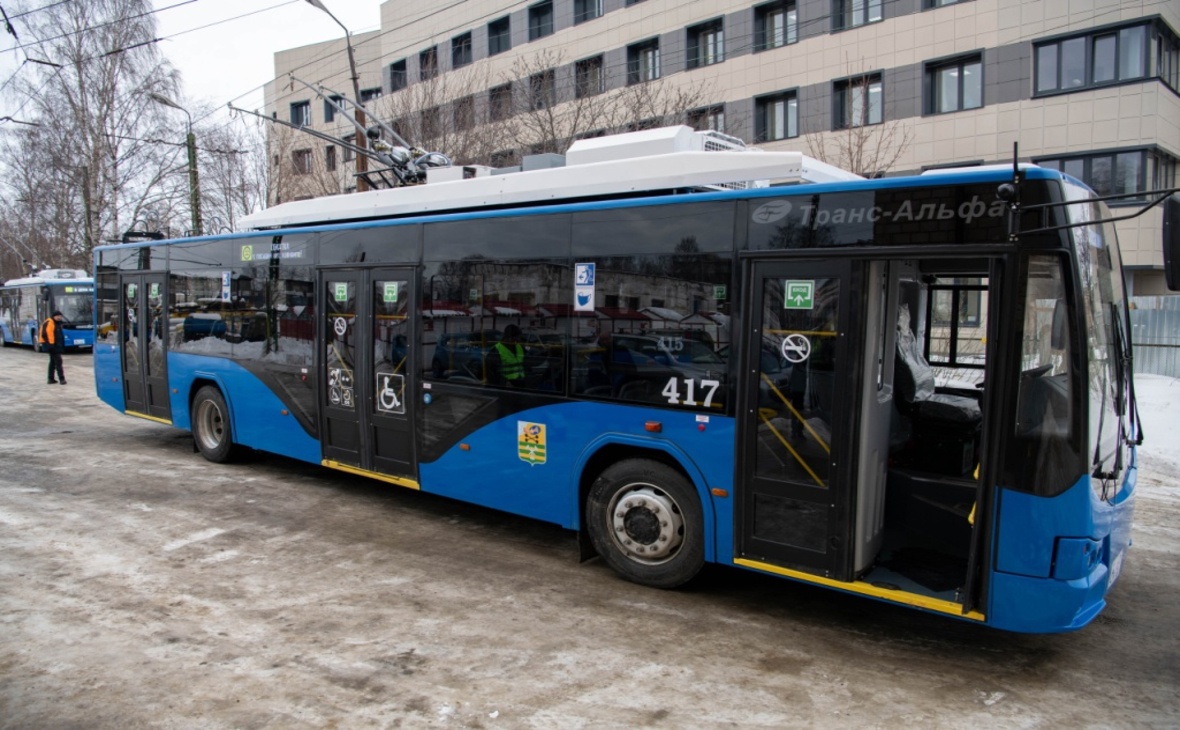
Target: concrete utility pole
<point>362,162</point>
<point>194,186</point>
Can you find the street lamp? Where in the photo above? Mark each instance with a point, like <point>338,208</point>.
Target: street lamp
<point>194,188</point>
<point>362,163</point>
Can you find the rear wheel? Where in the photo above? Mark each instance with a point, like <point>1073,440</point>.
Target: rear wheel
<point>211,426</point>
<point>645,520</point>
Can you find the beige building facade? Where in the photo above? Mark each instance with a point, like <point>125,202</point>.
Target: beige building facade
<point>1088,86</point>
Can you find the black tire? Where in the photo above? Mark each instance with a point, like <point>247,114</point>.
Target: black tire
<point>645,520</point>
<point>211,427</point>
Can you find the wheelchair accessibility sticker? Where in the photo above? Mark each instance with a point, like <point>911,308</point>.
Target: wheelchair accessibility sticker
<point>391,393</point>
<point>530,440</point>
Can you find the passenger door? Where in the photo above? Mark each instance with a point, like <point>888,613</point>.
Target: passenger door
<point>796,440</point>
<point>143,306</point>
<point>366,376</point>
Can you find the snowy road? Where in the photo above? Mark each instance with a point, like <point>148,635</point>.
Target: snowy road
<point>141,586</point>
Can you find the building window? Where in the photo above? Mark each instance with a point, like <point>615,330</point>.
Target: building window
<point>1163,171</point>
<point>1096,59</point>
<point>588,77</point>
<point>1108,173</point>
<point>347,155</point>
<point>542,90</point>
<point>465,113</point>
<point>706,44</point>
<point>1167,55</point>
<point>500,102</point>
<point>368,95</point>
<point>541,20</point>
<point>940,3</point>
<point>499,36</point>
<point>398,79</point>
<point>775,24</point>
<point>776,117</point>
<point>710,117</point>
<point>301,159</point>
<point>855,13</point>
<point>301,113</point>
<point>858,101</point>
<point>461,50</point>
<point>330,158</point>
<point>587,10</point>
<point>329,110</point>
<point>954,85</point>
<point>643,61</point>
<point>428,63</point>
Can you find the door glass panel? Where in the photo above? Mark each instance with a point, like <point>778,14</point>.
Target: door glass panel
<point>340,343</point>
<point>157,329</point>
<point>131,327</point>
<point>797,380</point>
<point>390,345</point>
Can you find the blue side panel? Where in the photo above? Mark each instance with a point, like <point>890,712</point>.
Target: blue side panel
<point>108,375</point>
<point>256,413</point>
<point>1046,577</point>
<point>1037,606</point>
<point>27,333</point>
<point>5,332</point>
<point>78,338</point>
<point>491,471</point>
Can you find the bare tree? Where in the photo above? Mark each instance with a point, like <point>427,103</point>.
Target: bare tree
<point>101,155</point>
<point>866,141</point>
<point>445,113</point>
<point>556,104</point>
<point>542,105</point>
<point>233,173</point>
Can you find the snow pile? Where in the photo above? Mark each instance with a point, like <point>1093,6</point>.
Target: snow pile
<point>1159,403</point>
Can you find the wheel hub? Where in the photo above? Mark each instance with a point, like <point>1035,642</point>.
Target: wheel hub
<point>646,524</point>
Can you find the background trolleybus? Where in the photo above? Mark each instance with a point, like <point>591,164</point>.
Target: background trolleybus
<point>26,303</point>
<point>916,389</point>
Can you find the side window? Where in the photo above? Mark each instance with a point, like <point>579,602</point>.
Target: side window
<point>496,303</point>
<point>249,299</point>
<point>496,324</point>
<point>655,328</point>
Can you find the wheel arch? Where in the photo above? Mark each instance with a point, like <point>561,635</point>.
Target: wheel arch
<point>200,380</point>
<point>601,454</point>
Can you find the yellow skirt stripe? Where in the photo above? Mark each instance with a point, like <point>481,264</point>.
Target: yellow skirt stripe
<point>399,481</point>
<point>868,589</point>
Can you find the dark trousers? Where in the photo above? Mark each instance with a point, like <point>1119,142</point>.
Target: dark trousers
<point>55,366</point>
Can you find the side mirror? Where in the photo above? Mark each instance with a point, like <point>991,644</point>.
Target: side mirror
<point>1057,337</point>
<point>1172,242</point>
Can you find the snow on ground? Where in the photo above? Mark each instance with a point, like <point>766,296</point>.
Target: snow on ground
<point>1159,406</point>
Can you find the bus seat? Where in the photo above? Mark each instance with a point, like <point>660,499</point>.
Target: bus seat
<point>914,385</point>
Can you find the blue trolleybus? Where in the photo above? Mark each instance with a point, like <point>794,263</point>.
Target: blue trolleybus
<point>26,303</point>
<point>917,389</point>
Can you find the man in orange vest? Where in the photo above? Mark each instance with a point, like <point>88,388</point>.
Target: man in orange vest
<point>53,341</point>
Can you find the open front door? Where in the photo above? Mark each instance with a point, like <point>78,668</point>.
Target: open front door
<point>797,441</point>
<point>143,303</point>
<point>365,376</point>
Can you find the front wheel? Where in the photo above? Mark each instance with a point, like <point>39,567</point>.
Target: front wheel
<point>211,426</point>
<point>645,520</point>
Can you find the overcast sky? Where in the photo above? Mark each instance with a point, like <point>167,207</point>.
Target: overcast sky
<point>227,60</point>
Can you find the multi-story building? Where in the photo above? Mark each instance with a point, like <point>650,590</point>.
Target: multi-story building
<point>879,86</point>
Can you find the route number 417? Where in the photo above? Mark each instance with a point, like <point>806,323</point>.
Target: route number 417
<point>674,388</point>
